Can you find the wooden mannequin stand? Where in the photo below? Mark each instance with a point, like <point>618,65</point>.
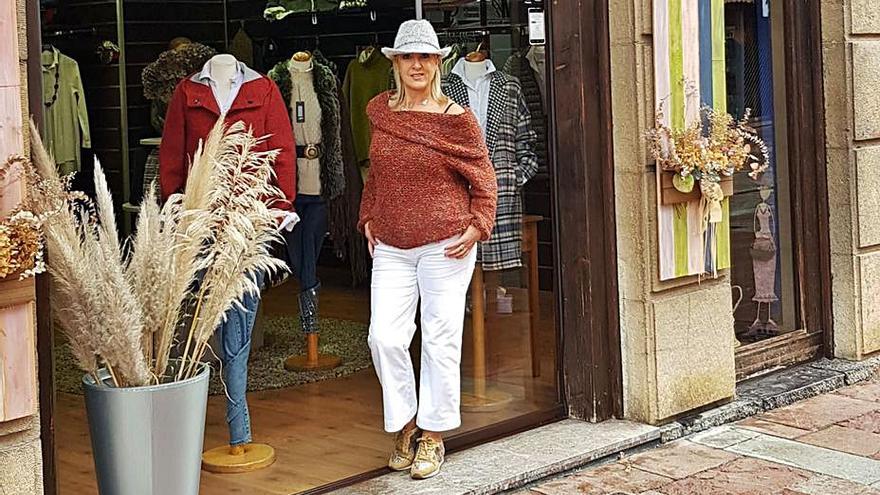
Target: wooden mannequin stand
<point>483,398</point>
<point>239,458</point>
<point>312,361</point>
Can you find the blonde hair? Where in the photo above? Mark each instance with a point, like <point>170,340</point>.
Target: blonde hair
<point>399,96</point>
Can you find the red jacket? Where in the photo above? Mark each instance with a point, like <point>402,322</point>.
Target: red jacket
<point>192,113</point>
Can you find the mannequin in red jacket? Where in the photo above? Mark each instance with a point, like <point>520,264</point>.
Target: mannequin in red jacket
<point>245,95</point>
<point>228,88</point>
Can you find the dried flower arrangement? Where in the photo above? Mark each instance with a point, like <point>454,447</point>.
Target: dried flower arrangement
<point>707,150</point>
<point>710,149</point>
<point>123,312</point>
<point>21,246</point>
<point>21,241</point>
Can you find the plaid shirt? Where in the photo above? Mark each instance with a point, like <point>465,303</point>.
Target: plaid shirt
<point>511,142</point>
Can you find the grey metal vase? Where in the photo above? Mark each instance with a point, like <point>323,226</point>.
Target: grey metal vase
<point>147,440</point>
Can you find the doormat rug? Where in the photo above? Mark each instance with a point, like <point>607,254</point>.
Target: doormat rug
<point>282,339</point>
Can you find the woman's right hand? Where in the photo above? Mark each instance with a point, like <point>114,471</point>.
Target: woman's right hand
<point>371,241</point>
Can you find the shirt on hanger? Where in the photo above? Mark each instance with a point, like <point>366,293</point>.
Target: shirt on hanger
<point>65,119</point>
<point>237,80</point>
<point>537,59</point>
<point>478,90</point>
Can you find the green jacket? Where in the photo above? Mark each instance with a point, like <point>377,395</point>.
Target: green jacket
<point>65,119</point>
<point>364,79</point>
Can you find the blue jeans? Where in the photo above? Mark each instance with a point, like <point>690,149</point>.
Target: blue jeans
<point>235,338</point>
<point>305,242</point>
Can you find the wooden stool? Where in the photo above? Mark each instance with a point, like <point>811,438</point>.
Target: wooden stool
<point>483,398</point>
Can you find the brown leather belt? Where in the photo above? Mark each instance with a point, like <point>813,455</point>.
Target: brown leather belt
<point>310,151</point>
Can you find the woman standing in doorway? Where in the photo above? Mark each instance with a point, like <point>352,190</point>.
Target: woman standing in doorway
<point>430,197</point>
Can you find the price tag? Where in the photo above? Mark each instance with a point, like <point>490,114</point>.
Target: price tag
<point>300,112</point>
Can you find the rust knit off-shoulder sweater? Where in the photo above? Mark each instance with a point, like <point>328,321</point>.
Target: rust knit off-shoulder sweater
<point>430,177</point>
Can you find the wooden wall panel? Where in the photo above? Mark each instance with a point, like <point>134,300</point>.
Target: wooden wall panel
<point>8,45</point>
<point>10,138</point>
<point>18,380</point>
<point>18,367</point>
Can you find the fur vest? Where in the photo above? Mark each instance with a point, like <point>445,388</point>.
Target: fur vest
<point>332,174</point>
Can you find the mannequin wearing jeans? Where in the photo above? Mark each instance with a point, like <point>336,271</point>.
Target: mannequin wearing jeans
<point>227,89</point>
<point>305,241</point>
<point>235,344</point>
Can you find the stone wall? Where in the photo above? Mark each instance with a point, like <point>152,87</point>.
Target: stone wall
<point>677,337</point>
<point>851,53</point>
<point>21,470</point>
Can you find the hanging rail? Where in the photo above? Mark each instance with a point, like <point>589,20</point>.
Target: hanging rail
<point>71,32</point>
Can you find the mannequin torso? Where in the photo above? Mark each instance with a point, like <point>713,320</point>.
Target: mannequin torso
<point>473,70</point>
<point>477,76</point>
<point>223,70</point>
<point>306,118</point>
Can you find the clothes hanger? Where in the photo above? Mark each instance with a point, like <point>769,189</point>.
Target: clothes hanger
<point>478,55</point>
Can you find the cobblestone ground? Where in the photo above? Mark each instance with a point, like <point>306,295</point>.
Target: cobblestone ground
<point>826,445</point>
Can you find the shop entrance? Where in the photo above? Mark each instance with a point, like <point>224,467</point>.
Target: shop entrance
<point>326,424</point>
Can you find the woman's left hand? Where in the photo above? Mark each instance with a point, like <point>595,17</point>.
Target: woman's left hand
<point>463,245</point>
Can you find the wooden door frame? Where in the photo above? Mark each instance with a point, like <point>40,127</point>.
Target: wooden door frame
<point>805,106</point>
<point>586,244</point>
<point>45,338</point>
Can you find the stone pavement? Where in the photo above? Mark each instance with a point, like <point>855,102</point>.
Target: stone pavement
<point>826,445</point>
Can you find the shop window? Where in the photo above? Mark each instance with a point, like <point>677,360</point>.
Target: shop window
<point>762,273</point>
<point>326,426</point>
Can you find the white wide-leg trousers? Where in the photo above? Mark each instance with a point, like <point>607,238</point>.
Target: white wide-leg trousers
<point>400,278</point>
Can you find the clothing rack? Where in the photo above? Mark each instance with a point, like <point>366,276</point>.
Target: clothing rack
<point>483,30</point>
<point>90,31</point>
<point>478,33</point>
<point>338,35</point>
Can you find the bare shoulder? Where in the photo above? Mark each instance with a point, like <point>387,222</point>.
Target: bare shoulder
<point>456,109</point>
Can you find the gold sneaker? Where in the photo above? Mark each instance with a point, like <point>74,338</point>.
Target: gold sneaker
<point>429,458</point>
<point>404,449</point>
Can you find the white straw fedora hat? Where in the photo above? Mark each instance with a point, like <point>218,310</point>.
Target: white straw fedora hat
<point>416,36</point>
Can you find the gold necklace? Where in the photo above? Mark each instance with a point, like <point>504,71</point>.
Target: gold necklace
<point>409,106</point>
